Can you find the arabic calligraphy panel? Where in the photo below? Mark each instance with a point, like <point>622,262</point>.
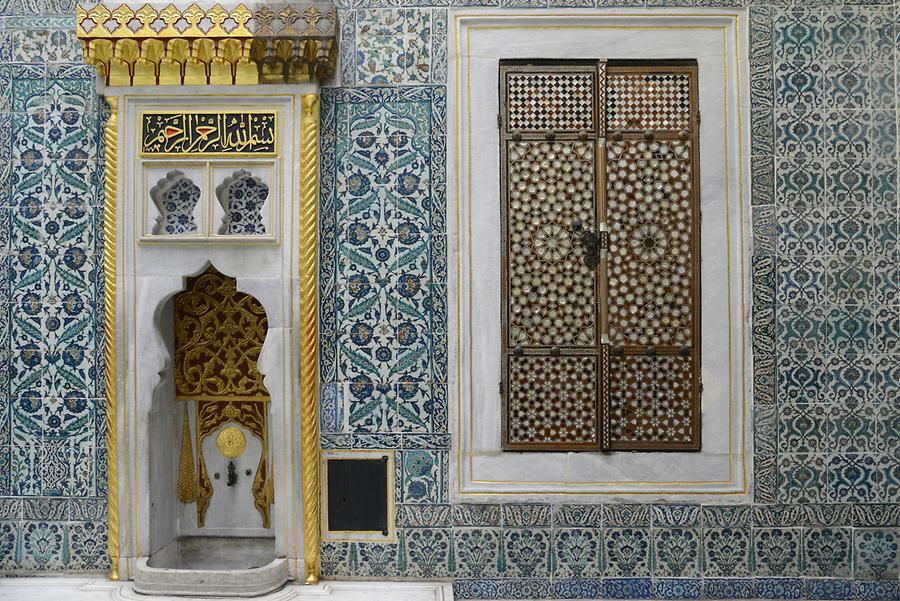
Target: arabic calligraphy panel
<point>213,133</point>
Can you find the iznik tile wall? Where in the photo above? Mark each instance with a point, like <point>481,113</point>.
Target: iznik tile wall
<point>825,517</point>
<point>824,522</point>
<point>52,427</point>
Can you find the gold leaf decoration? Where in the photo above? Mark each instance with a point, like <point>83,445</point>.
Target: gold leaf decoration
<point>308,30</point>
<point>187,480</point>
<point>219,333</point>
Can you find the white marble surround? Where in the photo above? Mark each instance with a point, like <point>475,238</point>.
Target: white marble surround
<point>716,39</point>
<point>149,275</point>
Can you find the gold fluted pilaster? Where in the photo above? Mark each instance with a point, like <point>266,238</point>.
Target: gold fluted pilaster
<point>111,138</point>
<point>309,333</point>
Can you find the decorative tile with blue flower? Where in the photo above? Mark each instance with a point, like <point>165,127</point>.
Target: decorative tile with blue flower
<point>423,476</point>
<point>382,177</point>
<point>398,46</point>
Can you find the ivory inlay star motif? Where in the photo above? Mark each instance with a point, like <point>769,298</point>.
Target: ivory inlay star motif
<point>600,286</point>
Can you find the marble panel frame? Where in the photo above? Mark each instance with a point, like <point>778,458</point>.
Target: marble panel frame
<point>477,43</point>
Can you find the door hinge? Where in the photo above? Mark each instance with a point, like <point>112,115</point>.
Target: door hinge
<point>501,388</point>
<point>499,121</point>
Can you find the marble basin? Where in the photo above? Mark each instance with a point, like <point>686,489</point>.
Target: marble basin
<point>212,566</point>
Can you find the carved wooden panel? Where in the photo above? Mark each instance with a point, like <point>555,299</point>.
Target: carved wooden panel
<point>653,269</point>
<point>541,100</point>
<point>600,255</point>
<point>550,311</point>
<point>552,400</point>
<point>551,290</point>
<point>642,100</point>
<point>653,401</point>
<point>649,214</point>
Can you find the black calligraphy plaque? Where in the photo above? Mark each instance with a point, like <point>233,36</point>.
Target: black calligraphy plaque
<point>213,133</point>
<point>357,495</point>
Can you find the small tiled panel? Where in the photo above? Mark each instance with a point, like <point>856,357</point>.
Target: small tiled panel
<point>652,214</point>
<point>176,198</point>
<point>242,196</point>
<point>550,311</point>
<point>599,322</point>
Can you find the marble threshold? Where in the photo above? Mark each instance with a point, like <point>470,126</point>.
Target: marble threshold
<point>80,588</point>
<point>95,588</point>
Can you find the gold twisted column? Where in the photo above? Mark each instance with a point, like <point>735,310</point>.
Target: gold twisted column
<point>309,333</point>
<point>111,137</point>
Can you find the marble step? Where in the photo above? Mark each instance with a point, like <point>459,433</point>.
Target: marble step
<point>97,589</point>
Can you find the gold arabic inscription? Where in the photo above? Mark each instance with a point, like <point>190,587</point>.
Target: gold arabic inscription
<point>208,133</point>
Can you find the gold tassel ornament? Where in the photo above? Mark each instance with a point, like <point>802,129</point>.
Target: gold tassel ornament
<point>187,481</point>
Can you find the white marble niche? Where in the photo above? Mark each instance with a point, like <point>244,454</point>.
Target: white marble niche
<point>151,271</point>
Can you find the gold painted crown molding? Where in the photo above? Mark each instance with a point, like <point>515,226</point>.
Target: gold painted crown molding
<point>132,45</point>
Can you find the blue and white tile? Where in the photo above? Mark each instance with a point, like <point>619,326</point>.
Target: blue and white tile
<point>44,546</point>
<point>428,552</point>
<point>626,552</point>
<point>777,551</point>
<point>577,553</point>
<point>828,552</point>
<point>477,552</point>
<point>876,555</point>
<point>728,588</point>
<point>424,476</point>
<point>676,552</point>
<point>852,478</point>
<point>726,552</point>
<point>527,552</point>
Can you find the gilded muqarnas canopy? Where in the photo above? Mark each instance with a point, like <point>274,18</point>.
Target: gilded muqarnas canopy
<point>241,44</point>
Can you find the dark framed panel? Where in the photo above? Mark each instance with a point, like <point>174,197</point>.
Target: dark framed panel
<point>600,315</point>
<point>357,495</point>
<point>652,206</point>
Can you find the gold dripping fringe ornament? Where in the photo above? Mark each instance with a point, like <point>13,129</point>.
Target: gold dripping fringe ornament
<point>187,481</point>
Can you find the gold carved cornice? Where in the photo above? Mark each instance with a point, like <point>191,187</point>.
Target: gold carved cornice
<point>152,44</point>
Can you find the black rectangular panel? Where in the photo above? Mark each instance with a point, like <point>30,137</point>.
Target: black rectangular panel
<point>357,495</point>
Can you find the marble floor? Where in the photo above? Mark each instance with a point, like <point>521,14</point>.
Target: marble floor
<point>97,589</point>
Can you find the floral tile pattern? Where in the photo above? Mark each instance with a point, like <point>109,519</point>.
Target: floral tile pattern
<point>826,319</point>
<point>395,46</point>
<point>824,331</point>
<point>52,439</point>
